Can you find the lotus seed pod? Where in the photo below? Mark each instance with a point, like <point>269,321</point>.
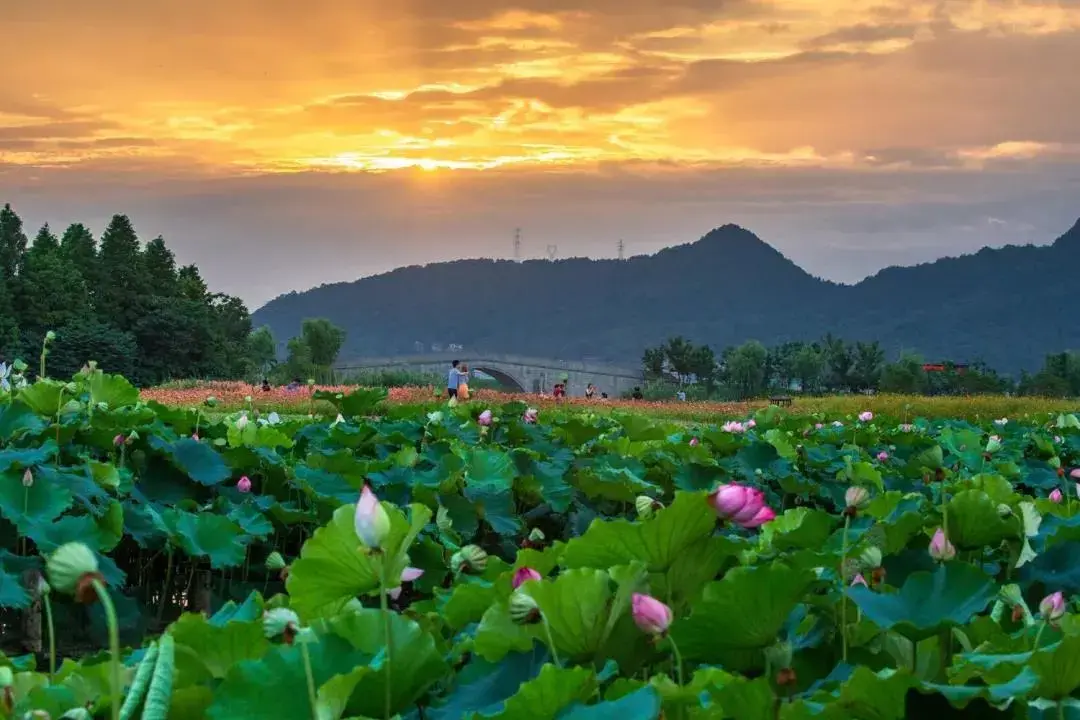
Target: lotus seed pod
<point>50,336</point>
<point>644,506</point>
<point>77,714</point>
<point>856,497</point>
<point>442,519</point>
<point>274,561</point>
<point>70,566</point>
<point>471,558</point>
<point>871,557</point>
<point>523,609</point>
<point>281,621</point>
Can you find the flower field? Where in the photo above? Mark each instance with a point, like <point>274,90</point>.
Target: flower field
<point>169,557</point>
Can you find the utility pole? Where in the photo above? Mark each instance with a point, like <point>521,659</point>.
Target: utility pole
<point>622,249</point>
<point>552,251</point>
<point>517,244</point>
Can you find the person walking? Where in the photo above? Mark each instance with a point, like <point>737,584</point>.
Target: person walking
<point>453,379</point>
<point>463,384</point>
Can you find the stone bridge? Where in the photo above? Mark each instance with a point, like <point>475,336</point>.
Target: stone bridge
<point>530,375</point>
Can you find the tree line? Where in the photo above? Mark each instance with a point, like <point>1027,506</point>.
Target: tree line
<point>832,365</point>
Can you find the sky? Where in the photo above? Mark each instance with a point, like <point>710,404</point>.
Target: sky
<point>281,145</point>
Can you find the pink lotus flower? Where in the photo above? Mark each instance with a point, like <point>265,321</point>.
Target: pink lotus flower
<point>866,416</point>
<point>243,484</point>
<point>751,423</point>
<point>1052,607</point>
<point>485,418</point>
<point>694,442</point>
<point>650,615</point>
<point>409,574</point>
<point>118,440</point>
<point>940,547</point>
<point>741,505</point>
<point>195,436</point>
<point>1057,439</point>
<point>371,521</point>
<point>1075,473</point>
<point>1056,496</point>
<point>523,575</point>
<point>733,427</point>
<point>883,456</point>
<point>530,415</point>
<point>818,426</point>
<point>859,580</point>
<point>837,423</point>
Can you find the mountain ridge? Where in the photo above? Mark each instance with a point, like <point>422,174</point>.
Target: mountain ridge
<point>723,289</point>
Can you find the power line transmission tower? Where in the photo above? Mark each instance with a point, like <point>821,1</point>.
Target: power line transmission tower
<point>622,250</point>
<point>517,244</point>
<point>552,251</point>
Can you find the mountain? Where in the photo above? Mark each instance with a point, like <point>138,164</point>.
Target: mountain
<point>1007,306</point>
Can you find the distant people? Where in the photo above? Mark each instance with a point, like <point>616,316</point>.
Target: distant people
<point>453,379</point>
<point>463,384</point>
<point>681,395</point>
<point>294,385</point>
<point>590,391</point>
<point>603,396</point>
<point>559,391</point>
<point>265,385</point>
<point>637,394</point>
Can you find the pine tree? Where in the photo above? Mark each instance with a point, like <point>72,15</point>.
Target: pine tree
<point>51,292</point>
<point>78,246</point>
<point>125,282</point>
<point>45,241</point>
<point>9,330</point>
<point>12,244</point>
<point>160,266</point>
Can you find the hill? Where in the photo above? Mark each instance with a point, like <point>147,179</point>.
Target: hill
<point>1007,306</point>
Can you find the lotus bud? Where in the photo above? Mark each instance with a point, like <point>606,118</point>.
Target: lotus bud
<point>442,519</point>
<point>883,456</point>
<point>866,416</point>
<point>650,615</point>
<point>646,507</point>
<point>50,336</point>
<point>408,575</point>
<point>993,444</point>
<point>118,440</point>
<point>871,557</point>
<point>281,621</point>
<point>940,547</point>
<point>28,479</point>
<point>856,497</point>
<point>7,677</point>
<point>274,561</point>
<point>485,418</point>
<point>694,442</point>
<point>523,575</point>
<point>72,569</point>
<point>523,609</point>
<point>371,521</point>
<point>1052,607</point>
<point>1056,496</point>
<point>859,580</point>
<point>779,655</point>
<point>311,382</point>
<point>244,484</point>
<point>242,422</point>
<point>530,415</point>
<point>742,505</point>
<point>471,558</point>
<point>1054,462</point>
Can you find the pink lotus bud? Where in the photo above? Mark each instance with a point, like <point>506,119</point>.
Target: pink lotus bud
<point>118,440</point>
<point>1075,473</point>
<point>818,426</point>
<point>409,574</point>
<point>751,423</point>
<point>28,479</point>
<point>650,615</point>
<point>694,442</point>
<point>195,436</point>
<point>371,521</point>
<point>530,415</point>
<point>523,575</point>
<point>732,426</point>
<point>859,580</point>
<point>1052,607</point>
<point>883,456</point>
<point>1055,496</point>
<point>484,419</point>
<point>740,504</point>
<point>940,547</point>
<point>866,416</point>
<point>243,484</point>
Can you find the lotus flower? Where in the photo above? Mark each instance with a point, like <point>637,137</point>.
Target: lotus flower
<point>940,547</point>
<point>1001,422</point>
<point>856,497</point>
<point>523,575</point>
<point>818,426</point>
<point>751,423</point>
<point>485,418</point>
<point>694,442</point>
<point>371,521</point>
<point>28,479</point>
<point>650,615</point>
<point>273,418</point>
<point>883,456</point>
<point>1052,607</point>
<point>741,505</point>
<point>530,415</point>
<point>859,580</point>
<point>1075,474</point>
<point>244,484</point>
<point>866,416</point>
<point>242,422</point>
<point>409,574</point>
<point>118,440</point>
<point>733,426</point>
<point>195,436</point>
<point>1056,496</point>
<point>837,423</point>
<point>993,444</point>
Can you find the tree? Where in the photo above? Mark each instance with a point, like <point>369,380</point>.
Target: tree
<point>869,358</point>
<point>905,376</point>
<point>323,339</point>
<point>160,266</point>
<point>806,366</point>
<point>121,263</point>
<point>745,368</point>
<point>838,363</point>
<point>12,244</point>
<point>86,340</point>
<point>703,365</point>
<point>262,350</point>
<point>298,361</point>
<point>9,329</point>
<point>191,284</point>
<point>652,362</point>
<point>51,291</point>
<point>680,355</point>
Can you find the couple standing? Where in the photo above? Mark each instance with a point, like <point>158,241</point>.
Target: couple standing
<point>457,382</point>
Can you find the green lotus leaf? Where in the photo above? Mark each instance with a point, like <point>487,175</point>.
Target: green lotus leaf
<point>927,602</point>
<point>44,397</point>
<point>248,611</point>
<point>576,606</point>
<point>483,687</point>
<point>334,568</point>
<point>24,507</point>
<point>207,535</point>
<point>113,390</point>
<point>545,696</point>
<point>798,528</point>
<point>205,651</point>
<point>489,483</point>
<point>974,521</point>
<point>643,704</point>
<point>197,459</point>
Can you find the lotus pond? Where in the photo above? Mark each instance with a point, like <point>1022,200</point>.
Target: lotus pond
<point>495,562</point>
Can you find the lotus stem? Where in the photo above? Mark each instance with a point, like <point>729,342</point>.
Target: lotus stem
<point>385,603</point>
<point>677,659</point>
<point>312,698</point>
<point>843,588</point>
<point>551,641</point>
<point>50,628</point>
<point>114,647</point>
<point>1038,636</point>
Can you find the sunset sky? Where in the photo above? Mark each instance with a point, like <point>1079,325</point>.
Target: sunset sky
<point>281,145</point>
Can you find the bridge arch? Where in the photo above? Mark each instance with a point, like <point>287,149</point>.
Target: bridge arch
<point>505,379</point>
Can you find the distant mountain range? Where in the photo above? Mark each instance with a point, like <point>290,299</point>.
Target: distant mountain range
<point>1007,307</point>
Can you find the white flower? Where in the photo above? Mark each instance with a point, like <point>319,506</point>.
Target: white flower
<point>5,373</point>
<point>242,422</point>
<point>273,418</point>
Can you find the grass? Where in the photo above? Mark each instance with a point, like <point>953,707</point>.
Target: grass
<point>233,396</point>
